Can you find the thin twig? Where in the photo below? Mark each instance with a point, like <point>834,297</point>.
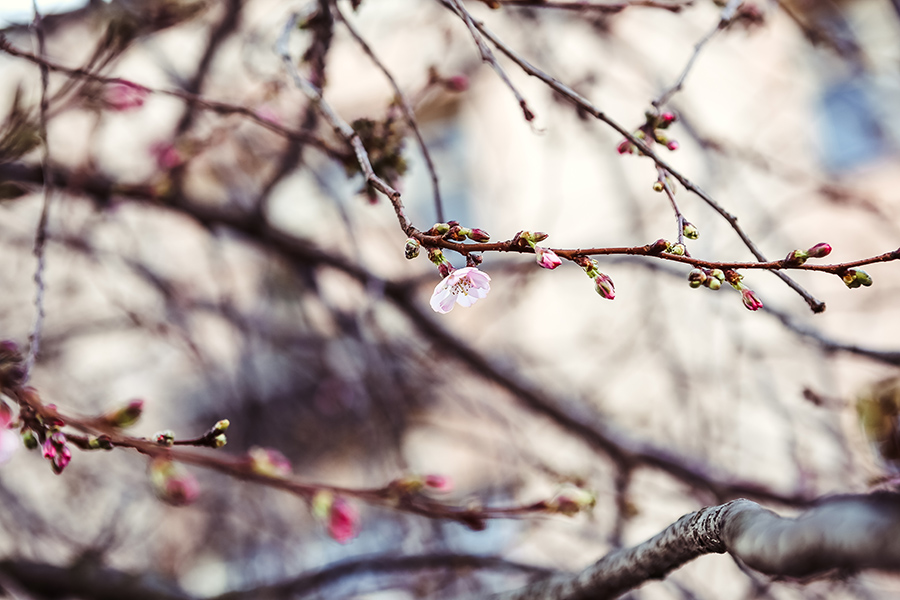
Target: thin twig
<point>587,106</point>
<point>724,21</point>
<point>679,217</point>
<point>40,237</point>
<point>486,54</point>
<point>608,7</point>
<point>407,111</point>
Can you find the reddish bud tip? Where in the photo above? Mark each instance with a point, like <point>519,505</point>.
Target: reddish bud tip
<point>672,145</point>
<point>819,250</point>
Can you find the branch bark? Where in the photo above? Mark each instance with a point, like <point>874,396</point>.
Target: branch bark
<point>840,533</point>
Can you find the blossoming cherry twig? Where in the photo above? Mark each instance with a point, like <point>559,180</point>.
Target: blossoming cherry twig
<point>463,286</point>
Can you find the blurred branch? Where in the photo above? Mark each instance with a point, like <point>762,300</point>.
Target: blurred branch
<point>846,533</point>
<point>674,6</point>
<point>216,106</point>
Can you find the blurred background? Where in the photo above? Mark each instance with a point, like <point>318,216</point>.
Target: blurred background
<point>160,286</point>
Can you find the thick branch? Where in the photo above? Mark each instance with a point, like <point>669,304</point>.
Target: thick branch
<point>844,532</point>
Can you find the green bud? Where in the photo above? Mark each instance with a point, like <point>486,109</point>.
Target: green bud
<point>30,440</point>
<point>690,231</point>
<point>713,283</point>
<point>220,440</point>
<point>658,186</point>
<point>677,249</point>
<point>440,228</point>
<point>718,274</point>
<point>221,426</point>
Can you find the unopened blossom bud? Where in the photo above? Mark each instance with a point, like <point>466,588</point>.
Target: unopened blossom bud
<point>854,278</point>
<point>690,231</point>
<point>667,118</point>
<point>268,461</point>
<point>718,274</point>
<point>658,186</point>
<point>697,277</point>
<point>165,438</point>
<point>546,258</point>
<point>713,283</point>
<point>751,301</point>
<point>603,285</point>
<point>440,228</point>
<point>30,440</point>
<point>796,258</point>
<point>57,452</point>
<point>172,482</point>
<point>125,416</point>
<point>625,147</point>
<point>456,233</point>
<point>571,501</point>
<point>438,483</point>
<point>819,251</point>
<point>457,83</point>
<point>672,145</point>
<point>659,246</point>
<point>124,95</point>
<point>99,442</point>
<point>479,235</point>
<point>343,521</point>
<point>411,250</point>
<point>221,426</point>
<point>677,249</point>
<point>220,440</point>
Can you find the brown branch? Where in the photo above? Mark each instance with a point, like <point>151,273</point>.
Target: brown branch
<point>579,421</point>
<point>846,533</point>
<point>585,105</point>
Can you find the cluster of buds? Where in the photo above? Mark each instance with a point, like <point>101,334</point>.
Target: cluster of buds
<point>660,246</point>
<point>651,130</point>
<point>124,416</point>
<point>603,285</point>
<point>798,257</point>
<point>172,482</point>
<point>711,278</point>
<point>545,257</point>
<point>341,518</point>
<point>452,230</point>
<point>748,296</point>
<point>268,462</point>
<point>854,278</point>
<point>570,501</point>
<point>57,451</point>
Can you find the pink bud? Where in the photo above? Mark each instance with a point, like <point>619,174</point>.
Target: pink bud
<point>819,250</point>
<point>268,461</point>
<point>125,95</point>
<point>751,301</point>
<point>667,118</point>
<point>604,286</point>
<point>479,235</point>
<point>457,83</point>
<point>439,483</point>
<point>672,145</point>
<point>172,482</point>
<point>546,258</point>
<point>167,156</point>
<point>625,147</point>
<point>343,521</point>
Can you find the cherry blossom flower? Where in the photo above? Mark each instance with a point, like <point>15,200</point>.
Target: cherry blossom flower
<point>463,286</point>
<point>546,258</point>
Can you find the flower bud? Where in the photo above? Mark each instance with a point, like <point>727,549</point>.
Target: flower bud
<point>343,521</point>
<point>57,452</point>
<point>411,250</point>
<point>677,249</point>
<point>124,95</point>
<point>604,286</point>
<point>221,426</point>
<point>440,228</point>
<point>672,145</point>
<point>438,483</point>
<point>172,482</point>
<point>479,235</point>
<point>165,438</point>
<point>625,147</point>
<point>658,186</point>
<point>570,501</point>
<point>30,440</point>
<point>125,416</point>
<point>697,277</point>
<point>546,258</point>
<point>690,231</point>
<point>853,278</point>
<point>713,283</point>
<point>667,118</point>
<point>796,258</point>
<point>718,274</point>
<point>456,233</point>
<point>269,462</point>
<point>659,246</point>
<point>819,250</point>
<point>457,83</point>
<point>751,301</point>
<point>220,440</point>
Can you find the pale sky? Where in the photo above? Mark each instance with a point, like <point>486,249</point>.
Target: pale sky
<point>21,11</point>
